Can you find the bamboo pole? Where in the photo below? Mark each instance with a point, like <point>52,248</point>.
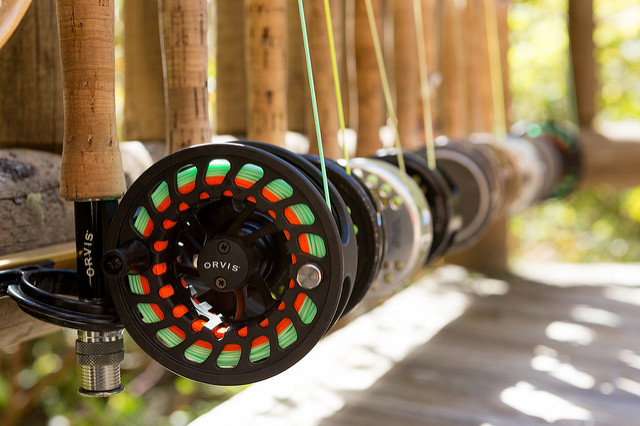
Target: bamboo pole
<point>431,12</point>
<point>490,253</point>
<point>371,112</point>
<point>31,105</point>
<point>453,93</point>
<point>91,161</point>
<point>144,105</point>
<point>183,26</point>
<point>479,102</point>
<point>323,75</point>
<point>298,100</point>
<point>349,74</point>
<point>231,84</point>
<point>581,26</point>
<point>266,61</point>
<point>407,77</point>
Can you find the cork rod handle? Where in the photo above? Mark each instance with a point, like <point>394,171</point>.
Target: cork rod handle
<point>91,160</point>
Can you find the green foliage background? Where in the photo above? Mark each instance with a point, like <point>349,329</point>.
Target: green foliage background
<point>38,380</point>
<point>594,224</point>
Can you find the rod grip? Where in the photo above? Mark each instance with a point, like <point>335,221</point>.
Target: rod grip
<point>184,45</point>
<point>266,62</point>
<point>91,160</point>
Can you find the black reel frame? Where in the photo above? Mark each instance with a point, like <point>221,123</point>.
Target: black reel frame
<point>368,224</point>
<point>339,209</point>
<point>209,212</point>
<point>443,202</point>
<point>51,295</point>
<point>469,170</point>
<point>71,299</point>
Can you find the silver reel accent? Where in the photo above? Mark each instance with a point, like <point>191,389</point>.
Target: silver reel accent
<point>408,220</point>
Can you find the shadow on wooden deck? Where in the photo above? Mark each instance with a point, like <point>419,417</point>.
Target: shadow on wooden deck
<point>468,350</point>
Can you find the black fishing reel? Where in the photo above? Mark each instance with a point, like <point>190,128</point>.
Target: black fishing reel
<point>443,202</point>
<point>472,172</point>
<point>226,264</point>
<point>368,225</point>
<point>566,147</point>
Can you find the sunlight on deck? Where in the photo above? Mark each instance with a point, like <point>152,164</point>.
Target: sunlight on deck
<point>529,400</point>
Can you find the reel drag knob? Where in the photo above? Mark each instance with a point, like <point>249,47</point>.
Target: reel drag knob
<point>234,237</point>
<point>407,219</point>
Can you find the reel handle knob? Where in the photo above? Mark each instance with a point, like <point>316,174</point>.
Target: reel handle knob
<point>132,257</point>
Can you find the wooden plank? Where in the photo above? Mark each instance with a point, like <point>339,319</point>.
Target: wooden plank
<point>31,112</point>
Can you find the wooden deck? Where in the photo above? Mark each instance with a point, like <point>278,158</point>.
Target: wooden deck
<point>457,349</point>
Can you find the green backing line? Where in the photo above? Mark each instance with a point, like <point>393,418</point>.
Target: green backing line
<point>142,219</point>
<point>197,353</point>
<point>287,337</point>
<point>187,176</point>
<point>135,284</point>
<point>303,213</point>
<point>160,195</point>
<point>307,311</point>
<point>260,352</point>
<point>168,338</point>
<point>217,168</point>
<point>228,358</point>
<point>280,189</point>
<point>149,316</point>
<point>316,246</point>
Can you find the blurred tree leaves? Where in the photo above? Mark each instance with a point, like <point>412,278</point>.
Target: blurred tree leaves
<point>594,224</point>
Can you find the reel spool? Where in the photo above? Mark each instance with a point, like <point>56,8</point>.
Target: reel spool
<point>226,265</point>
<point>538,168</point>
<point>567,146</point>
<point>506,169</point>
<point>407,219</point>
<point>472,173</point>
<point>438,194</point>
<point>368,226</point>
<point>340,212</point>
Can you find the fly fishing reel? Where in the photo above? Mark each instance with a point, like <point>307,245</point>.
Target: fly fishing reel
<point>537,167</point>
<point>225,263</point>
<point>567,146</point>
<point>368,226</point>
<point>407,219</point>
<point>443,203</point>
<point>472,174</point>
<point>340,213</point>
